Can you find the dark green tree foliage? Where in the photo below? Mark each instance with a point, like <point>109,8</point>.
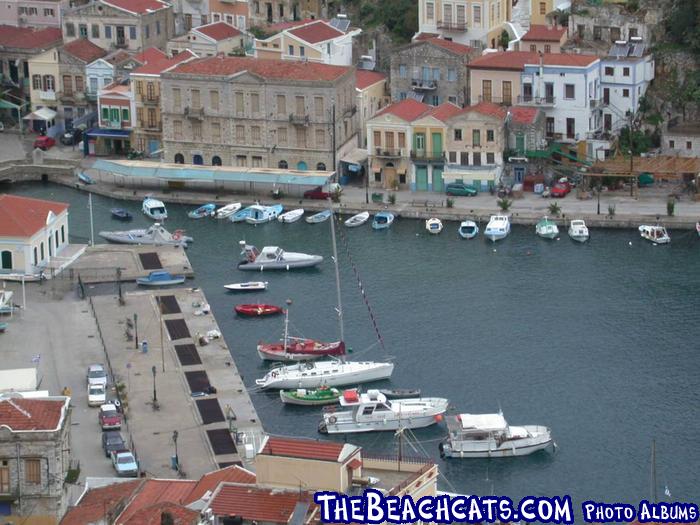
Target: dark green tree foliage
<point>399,16</point>
<point>683,25</point>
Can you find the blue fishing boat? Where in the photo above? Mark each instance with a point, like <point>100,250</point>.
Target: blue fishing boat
<point>321,216</point>
<point>242,215</point>
<point>160,278</point>
<point>121,214</point>
<point>85,178</point>
<point>206,210</point>
<point>262,214</point>
<point>382,220</point>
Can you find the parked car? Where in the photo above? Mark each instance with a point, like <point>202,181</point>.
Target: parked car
<point>109,417</point>
<point>71,137</point>
<point>560,190</point>
<point>317,194</point>
<point>44,143</point>
<point>97,375</point>
<point>97,395</point>
<point>461,189</point>
<point>112,440</point>
<point>124,463</point>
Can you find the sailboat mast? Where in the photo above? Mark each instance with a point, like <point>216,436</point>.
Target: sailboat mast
<point>337,275</point>
<point>653,471</point>
<point>286,324</point>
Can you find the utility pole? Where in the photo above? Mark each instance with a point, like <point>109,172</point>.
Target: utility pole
<point>92,226</point>
<point>333,135</point>
<point>162,347</point>
<point>631,154</point>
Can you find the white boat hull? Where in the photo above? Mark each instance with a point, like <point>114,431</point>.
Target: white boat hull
<point>347,427</point>
<point>579,237</point>
<point>357,220</point>
<point>468,230</point>
<point>291,216</point>
<point>307,379</point>
<point>539,439</point>
<point>227,211</point>
<point>548,233</point>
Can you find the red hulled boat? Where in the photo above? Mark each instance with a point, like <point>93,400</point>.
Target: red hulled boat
<point>299,349</point>
<point>256,310</point>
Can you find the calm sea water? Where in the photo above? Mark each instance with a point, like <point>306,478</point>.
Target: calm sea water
<point>598,341</point>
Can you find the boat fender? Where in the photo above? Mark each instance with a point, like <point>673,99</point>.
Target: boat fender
<point>287,267</point>
<point>332,420</point>
<point>177,235</point>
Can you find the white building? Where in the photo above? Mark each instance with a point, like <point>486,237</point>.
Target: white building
<point>112,67</point>
<point>211,39</point>
<point>32,233</point>
<point>682,140</point>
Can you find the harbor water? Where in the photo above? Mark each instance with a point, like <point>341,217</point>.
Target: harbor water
<point>597,341</point>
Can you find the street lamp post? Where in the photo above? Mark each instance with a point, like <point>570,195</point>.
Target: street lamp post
<point>599,188</point>
<point>177,459</point>
<point>136,331</point>
<point>155,397</point>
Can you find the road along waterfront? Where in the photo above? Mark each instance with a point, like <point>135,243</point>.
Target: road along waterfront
<point>597,341</point>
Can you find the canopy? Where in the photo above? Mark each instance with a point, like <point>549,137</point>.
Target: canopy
<point>471,173</point>
<point>109,133</point>
<point>357,156</point>
<point>485,422</point>
<point>41,114</point>
<point>6,104</point>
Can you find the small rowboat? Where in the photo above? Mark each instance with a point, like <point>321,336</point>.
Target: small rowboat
<point>206,210</point>
<point>257,310</point>
<point>121,214</point>
<point>253,286</point>
<point>357,220</point>
<point>85,178</point>
<point>433,226</point>
<point>321,216</point>
<point>316,397</point>
<point>291,216</point>
<point>382,220</point>
<point>401,393</point>
<point>228,210</point>
<point>160,278</point>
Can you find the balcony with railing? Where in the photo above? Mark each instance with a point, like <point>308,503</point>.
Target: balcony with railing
<point>194,113</point>
<point>420,84</point>
<point>150,125</point>
<point>113,124</point>
<point>529,100</point>
<point>152,100</point>
<point>596,103</point>
<point>299,120</point>
<point>49,94</point>
<point>452,25</point>
<point>388,152</point>
<point>427,155</point>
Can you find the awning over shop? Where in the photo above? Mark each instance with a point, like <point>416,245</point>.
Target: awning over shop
<point>471,173</point>
<point>188,172</point>
<point>6,104</point>
<point>109,133</point>
<point>41,114</point>
<point>355,159</point>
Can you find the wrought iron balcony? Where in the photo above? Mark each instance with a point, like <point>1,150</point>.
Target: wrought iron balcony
<point>47,95</point>
<point>299,120</point>
<point>452,26</point>
<point>423,85</point>
<point>388,152</point>
<point>153,100</point>
<point>529,100</point>
<point>596,103</point>
<point>194,113</point>
<point>111,124</point>
<point>427,155</point>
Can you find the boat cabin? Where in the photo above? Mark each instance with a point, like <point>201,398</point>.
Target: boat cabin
<point>476,427</point>
<point>272,253</point>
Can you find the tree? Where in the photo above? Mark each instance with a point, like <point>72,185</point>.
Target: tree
<point>504,40</point>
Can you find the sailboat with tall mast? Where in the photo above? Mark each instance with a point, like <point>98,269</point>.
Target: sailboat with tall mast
<point>334,372</point>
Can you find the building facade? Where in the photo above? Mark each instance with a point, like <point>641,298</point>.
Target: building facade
<point>188,14</point>
<point>32,13</point>
<point>122,24</point>
<point>212,39</point>
<point>372,96</point>
<point>432,71</point>
<point>541,10</point>
<point>474,23</point>
<point>543,39</point>
<point>233,13</point>
<point>236,111</point>
<point>34,458</point>
<point>681,140</point>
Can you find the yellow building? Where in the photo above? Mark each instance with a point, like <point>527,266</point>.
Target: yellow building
<point>539,9</point>
<point>474,23</point>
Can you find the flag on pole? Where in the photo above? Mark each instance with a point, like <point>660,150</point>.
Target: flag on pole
<point>667,492</point>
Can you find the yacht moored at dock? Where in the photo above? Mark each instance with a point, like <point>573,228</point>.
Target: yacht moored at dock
<point>275,258</point>
<point>154,209</point>
<point>578,231</point>
<point>498,228</point>
<point>315,374</point>
<point>656,234</point>
<point>547,229</point>
<point>155,235</point>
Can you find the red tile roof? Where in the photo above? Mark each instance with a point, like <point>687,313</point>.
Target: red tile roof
<point>29,38</point>
<point>315,32</point>
<point>138,7</point>
<point>209,482</point>
<point>84,50</point>
<point>487,108</point>
<point>157,491</point>
<point>19,414</point>
<point>153,515</point>
<point>252,503</point>
<point>364,78</point>
<point>425,36</point>
<point>218,31</point>
<point>523,115</point>
<point>408,109</point>
<point>269,69</point>
<point>543,33</point>
<point>302,448</point>
<point>156,66</point>
<point>150,54</point>
<point>459,49</point>
<point>95,504</point>
<point>281,26</point>
<point>24,216</point>
<point>444,111</point>
<point>516,60</point>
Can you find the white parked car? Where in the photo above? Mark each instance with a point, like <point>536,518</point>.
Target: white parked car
<point>97,375</point>
<point>97,395</point>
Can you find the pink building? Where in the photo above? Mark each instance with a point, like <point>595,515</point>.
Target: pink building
<point>32,13</point>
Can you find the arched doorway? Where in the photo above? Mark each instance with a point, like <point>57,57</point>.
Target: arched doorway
<point>197,160</point>
<point>283,165</point>
<point>320,166</point>
<point>179,158</point>
<point>301,166</point>
<point>216,160</point>
<point>6,257</point>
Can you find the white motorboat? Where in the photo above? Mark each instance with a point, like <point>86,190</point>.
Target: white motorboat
<point>251,286</point>
<point>226,211</point>
<point>154,209</point>
<point>319,217</point>
<point>433,226</point>
<point>498,228</point>
<point>578,231</point>
<point>314,374</point>
<point>291,216</point>
<point>372,411</point>
<point>656,234</point>
<point>546,228</point>
<point>468,230</point>
<point>275,258</point>
<point>262,214</point>
<point>357,220</point>
<point>490,436</point>
<point>155,235</point>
